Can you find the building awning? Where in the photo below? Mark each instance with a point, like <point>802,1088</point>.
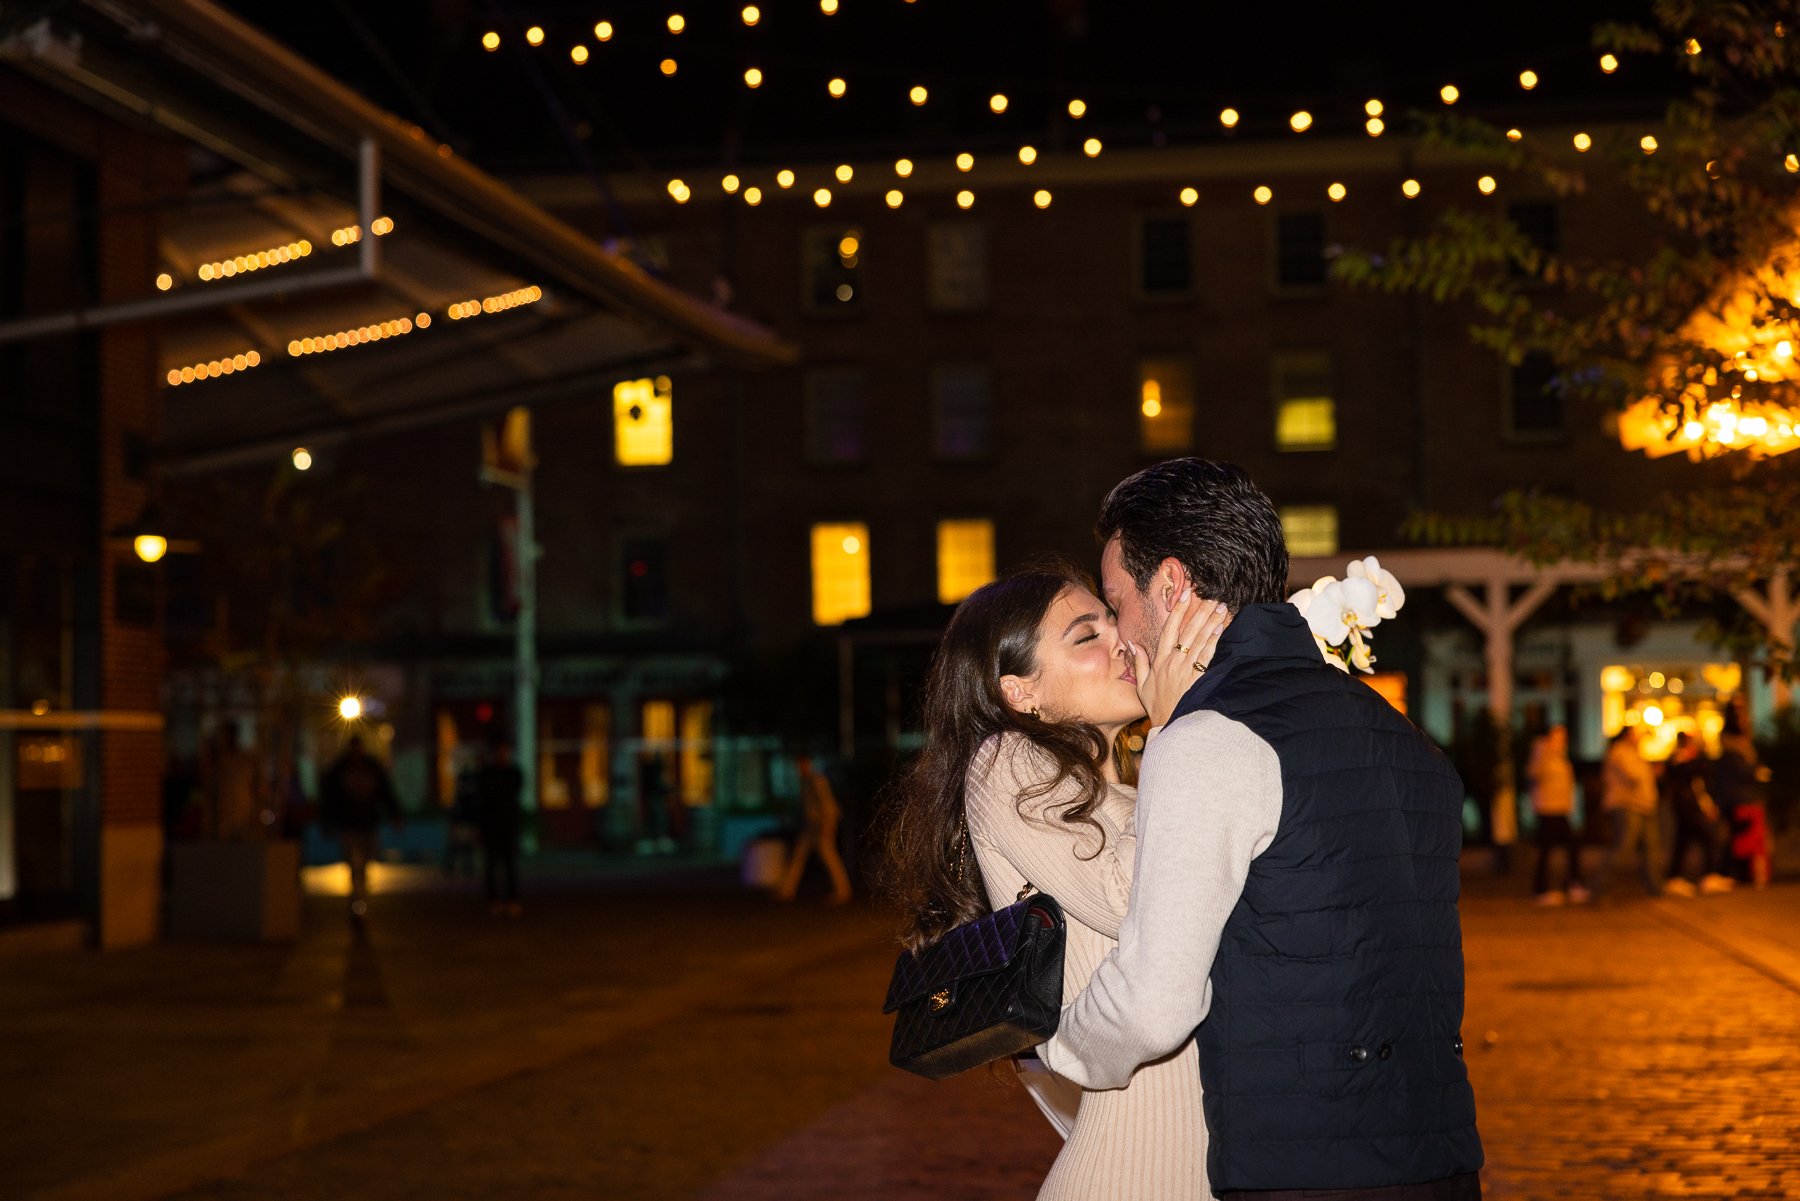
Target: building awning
<point>461,297</point>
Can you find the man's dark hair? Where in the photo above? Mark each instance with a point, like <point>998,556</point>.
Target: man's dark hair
<point>1208,517</point>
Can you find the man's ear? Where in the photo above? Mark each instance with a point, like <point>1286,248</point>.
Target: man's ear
<point>1170,581</point>
<point>1019,695</point>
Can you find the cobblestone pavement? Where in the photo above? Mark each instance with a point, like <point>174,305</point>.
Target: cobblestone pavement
<point>682,1039</point>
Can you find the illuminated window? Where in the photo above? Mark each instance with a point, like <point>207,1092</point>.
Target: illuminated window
<point>643,422</point>
<point>833,261</point>
<point>644,579</point>
<point>956,262</point>
<point>965,558</point>
<point>840,572</point>
<point>1310,529</point>
<point>1165,400</point>
<point>696,773</point>
<point>1534,408</point>
<point>962,411</point>
<point>1164,256</point>
<point>1305,411</point>
<point>836,415</point>
<point>595,767</point>
<point>1300,250</point>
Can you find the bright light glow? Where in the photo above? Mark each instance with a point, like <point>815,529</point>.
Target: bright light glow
<point>845,173</point>
<point>848,246</point>
<point>837,88</point>
<point>1487,185</point>
<point>965,558</point>
<point>1609,63</point>
<point>903,167</point>
<point>997,102</point>
<point>965,161</point>
<point>164,282</point>
<point>500,302</point>
<point>1647,144</point>
<point>1515,135</point>
<point>1410,189</point>
<point>603,31</point>
<point>822,197</point>
<point>965,199</point>
<point>1028,155</point>
<point>490,40</point>
<point>1077,109</point>
<point>1657,679</point>
<point>752,14</point>
<point>1337,192</point>
<point>1583,142</point>
<point>1528,79</point>
<point>828,7</point>
<point>1091,148</point>
<point>1784,349</point>
<point>274,256</point>
<point>1792,163</point>
<point>1041,198</point>
<point>1190,196</point>
<point>150,547</point>
<point>350,708</point>
<point>214,368</point>
<point>752,196</point>
<point>919,94</point>
<point>895,198</point>
<point>303,459</point>
<point>677,23</point>
<point>784,178</point>
<point>1229,118</point>
<point>578,55</point>
<point>1693,46</point>
<point>1263,194</point>
<point>753,77</point>
<point>668,66</point>
<point>1448,94</point>
<point>535,35</point>
<point>1300,122</point>
<point>677,187</point>
<point>1375,126</point>
<point>840,572</point>
<point>731,184</point>
<point>1374,108</point>
<point>1653,715</point>
<point>644,422</point>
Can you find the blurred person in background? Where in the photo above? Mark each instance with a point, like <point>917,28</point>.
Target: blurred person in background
<point>355,794</point>
<point>1552,780</point>
<point>500,785</point>
<point>1740,785</point>
<point>819,816</point>
<point>1630,798</point>
<point>1696,821</point>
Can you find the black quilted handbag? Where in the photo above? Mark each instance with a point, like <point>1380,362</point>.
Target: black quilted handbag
<point>988,989</point>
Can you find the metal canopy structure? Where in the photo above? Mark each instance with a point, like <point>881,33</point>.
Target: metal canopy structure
<point>392,332</point>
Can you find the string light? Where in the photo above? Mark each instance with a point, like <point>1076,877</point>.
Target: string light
<point>490,40</point>
<point>1077,109</point>
<point>1263,194</point>
<point>165,281</point>
<point>497,303</point>
<point>828,7</point>
<point>1410,189</point>
<point>1515,135</point>
<point>302,459</point>
<point>535,35</point>
<point>965,199</point>
<point>895,198</point>
<point>1374,108</point>
<point>1582,142</point>
<point>668,66</point>
<point>997,102</point>
<point>752,196</point>
<point>753,77</point>
<point>1376,126</point>
<point>1448,94</point>
<point>1190,197</point>
<point>275,256</point>
<point>1693,46</point>
<point>603,31</point>
<point>845,173</point>
<point>214,368</point>
<point>1337,192</point>
<point>822,197</point>
<point>1487,185</point>
<point>1300,122</point>
<point>730,183</point>
<point>677,23</point>
<point>1091,148</point>
<point>578,55</point>
<point>837,88</point>
<point>1028,155</point>
<point>1647,144</point>
<point>965,161</point>
<point>1791,162</point>
<point>1041,198</point>
<point>919,94</point>
<point>903,168</point>
<point>359,336</point>
<point>1609,63</point>
<point>678,189</point>
<point>1528,79</point>
<point>1229,118</point>
<point>784,179</point>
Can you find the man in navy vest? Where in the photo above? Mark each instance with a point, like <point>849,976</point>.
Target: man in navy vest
<point>1294,906</point>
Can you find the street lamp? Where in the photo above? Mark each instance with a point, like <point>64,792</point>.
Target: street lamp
<point>350,707</point>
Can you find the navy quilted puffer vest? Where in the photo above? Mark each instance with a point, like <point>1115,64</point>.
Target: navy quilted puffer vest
<point>1332,1056</point>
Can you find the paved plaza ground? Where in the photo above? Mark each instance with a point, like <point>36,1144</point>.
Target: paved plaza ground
<point>673,1036</point>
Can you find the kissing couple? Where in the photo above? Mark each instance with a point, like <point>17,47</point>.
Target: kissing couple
<point>1263,973</point>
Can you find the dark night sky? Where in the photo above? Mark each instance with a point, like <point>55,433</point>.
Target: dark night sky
<point>1146,70</point>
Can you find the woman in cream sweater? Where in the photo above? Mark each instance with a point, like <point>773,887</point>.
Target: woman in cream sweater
<point>1018,785</point>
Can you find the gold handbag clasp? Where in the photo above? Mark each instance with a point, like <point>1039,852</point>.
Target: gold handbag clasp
<point>940,999</point>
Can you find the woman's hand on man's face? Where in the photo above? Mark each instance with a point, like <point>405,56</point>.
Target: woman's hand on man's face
<point>1183,650</point>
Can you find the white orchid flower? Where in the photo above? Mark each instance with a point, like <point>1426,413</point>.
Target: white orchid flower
<point>1362,655</point>
<point>1390,596</point>
<point>1362,603</point>
<point>1325,613</point>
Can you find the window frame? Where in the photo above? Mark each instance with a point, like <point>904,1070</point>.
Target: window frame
<point>968,224</point>
<point>938,370</point>
<point>1140,221</point>
<point>1299,290</point>
<point>809,378</point>
<point>1509,396</point>
<point>621,618</point>
<point>839,310</point>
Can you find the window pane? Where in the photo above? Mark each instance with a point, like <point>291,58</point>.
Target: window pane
<point>1300,250</point>
<point>696,754</point>
<point>644,579</point>
<point>956,260</point>
<point>643,422</point>
<point>1536,401</point>
<point>1537,220</point>
<point>965,556</point>
<point>1305,407</point>
<point>836,415</point>
<point>1310,529</point>
<point>840,572</point>
<point>1163,247</point>
<point>1166,404</point>
<point>595,768</point>
<point>833,261</point>
<point>962,402</point>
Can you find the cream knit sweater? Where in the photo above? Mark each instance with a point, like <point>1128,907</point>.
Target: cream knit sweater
<point>1144,1142</point>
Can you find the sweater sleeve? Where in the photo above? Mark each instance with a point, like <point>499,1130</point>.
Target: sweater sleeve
<point>1209,802</point>
<point>1090,876</point>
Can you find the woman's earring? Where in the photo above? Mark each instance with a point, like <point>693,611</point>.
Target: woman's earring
<point>1036,716</point>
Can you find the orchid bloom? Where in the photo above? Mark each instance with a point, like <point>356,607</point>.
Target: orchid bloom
<point>1389,595</point>
<point>1340,613</point>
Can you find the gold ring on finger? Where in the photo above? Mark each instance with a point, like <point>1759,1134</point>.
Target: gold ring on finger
<point>1180,649</point>
<point>1199,667</point>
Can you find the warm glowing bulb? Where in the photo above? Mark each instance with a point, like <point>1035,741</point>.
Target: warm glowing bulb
<point>1028,155</point>
<point>822,197</point>
<point>1647,144</point>
<point>603,31</point>
<point>848,245</point>
<point>1078,109</point>
<point>677,23</point>
<point>730,183</point>
<point>753,77</point>
<point>1693,431</point>
<point>165,281</point>
<point>1528,79</point>
<point>1410,189</point>
<point>667,66</point>
<point>1791,162</point>
<point>1693,46</point>
<point>828,7</point>
<point>895,198</point>
<point>578,55</point>
<point>1091,148</point>
<point>752,14</point>
<point>784,178</point>
<point>965,161</point>
<point>1229,118</point>
<point>1041,198</point>
<point>845,173</point>
<point>997,102</point>
<point>753,196</point>
<point>852,545</point>
<point>903,167</point>
<point>150,547</point>
<point>302,459</point>
<point>1376,126</point>
<point>1784,349</point>
<point>1448,94</point>
<point>1487,185</point>
<point>1515,135</point>
<point>1300,122</point>
<point>1582,142</point>
<point>490,40</point>
<point>1190,196</point>
<point>676,187</point>
<point>1337,192</point>
<point>350,708</point>
<point>1653,715</point>
<point>919,94</point>
<point>1609,63</point>
<point>965,199</point>
<point>836,87</point>
<point>535,35</point>
<point>1263,194</point>
<point>1374,108</point>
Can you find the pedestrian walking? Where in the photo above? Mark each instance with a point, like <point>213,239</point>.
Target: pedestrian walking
<point>1630,799</point>
<point>501,789</point>
<point>1696,821</point>
<point>1741,786</point>
<point>1552,780</point>
<point>818,834</point>
<point>354,796</point>
<point>464,835</point>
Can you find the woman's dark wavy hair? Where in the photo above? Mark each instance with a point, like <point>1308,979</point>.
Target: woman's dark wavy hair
<point>929,864</point>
